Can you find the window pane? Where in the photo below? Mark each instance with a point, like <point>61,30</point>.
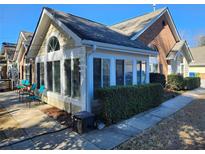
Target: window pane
<point>27,74</point>
<point>139,72</point>
<point>76,78</point>
<point>38,75</point>
<point>49,76</point>
<point>97,73</point>
<point>57,86</point>
<point>41,73</point>
<point>119,72</point>
<point>67,65</point>
<point>128,74</point>
<point>143,72</point>
<point>106,72</point>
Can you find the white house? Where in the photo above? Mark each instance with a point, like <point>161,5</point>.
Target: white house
<point>74,56</point>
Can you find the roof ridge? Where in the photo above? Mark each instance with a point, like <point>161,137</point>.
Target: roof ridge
<point>76,16</point>
<point>137,16</point>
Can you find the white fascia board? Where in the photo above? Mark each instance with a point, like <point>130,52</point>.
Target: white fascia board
<point>143,30</point>
<point>119,48</point>
<point>192,58</point>
<point>173,26</point>
<point>23,36</point>
<point>41,18</point>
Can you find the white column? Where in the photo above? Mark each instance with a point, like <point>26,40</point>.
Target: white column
<point>89,82</point>
<point>112,72</point>
<point>83,79</point>
<point>134,71</point>
<point>147,71</point>
<point>45,73</point>
<point>62,77</point>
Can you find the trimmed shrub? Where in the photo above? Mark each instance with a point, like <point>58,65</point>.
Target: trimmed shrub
<point>157,78</point>
<point>192,82</point>
<point>175,82</point>
<point>122,102</point>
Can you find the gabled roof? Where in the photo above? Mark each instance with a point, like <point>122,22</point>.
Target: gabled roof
<point>177,47</point>
<point>10,50</point>
<point>198,55</point>
<point>135,25</point>
<point>24,40</point>
<point>28,37</point>
<point>7,44</point>
<point>91,30</point>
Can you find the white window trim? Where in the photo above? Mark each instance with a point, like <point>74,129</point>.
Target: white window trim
<point>61,55</point>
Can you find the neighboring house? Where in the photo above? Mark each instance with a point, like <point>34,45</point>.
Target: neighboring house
<point>19,57</point>
<point>7,54</point>
<point>75,56</point>
<point>158,31</point>
<point>198,65</point>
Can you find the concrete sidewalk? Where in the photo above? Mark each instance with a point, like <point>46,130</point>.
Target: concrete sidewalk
<point>112,136</point>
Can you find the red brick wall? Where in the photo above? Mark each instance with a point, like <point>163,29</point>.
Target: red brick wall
<point>161,37</point>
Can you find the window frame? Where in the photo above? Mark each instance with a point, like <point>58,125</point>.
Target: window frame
<point>51,49</point>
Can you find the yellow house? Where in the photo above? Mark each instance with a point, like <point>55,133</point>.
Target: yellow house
<point>197,67</point>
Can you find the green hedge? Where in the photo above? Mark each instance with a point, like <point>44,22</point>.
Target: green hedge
<point>157,78</point>
<point>175,82</point>
<point>122,102</point>
<point>192,82</point>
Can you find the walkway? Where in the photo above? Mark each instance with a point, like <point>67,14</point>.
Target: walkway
<point>110,137</point>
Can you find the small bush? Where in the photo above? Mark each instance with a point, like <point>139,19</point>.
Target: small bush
<point>192,82</point>
<point>158,78</point>
<point>121,102</point>
<point>175,82</point>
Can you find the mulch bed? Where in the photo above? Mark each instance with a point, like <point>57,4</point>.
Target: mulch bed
<point>61,116</point>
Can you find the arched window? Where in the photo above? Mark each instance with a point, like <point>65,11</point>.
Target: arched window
<point>53,44</point>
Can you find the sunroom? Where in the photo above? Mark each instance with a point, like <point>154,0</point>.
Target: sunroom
<point>75,56</point>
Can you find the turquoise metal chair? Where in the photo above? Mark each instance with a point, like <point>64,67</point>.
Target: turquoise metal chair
<point>21,85</point>
<point>28,92</point>
<point>36,97</point>
<point>27,83</point>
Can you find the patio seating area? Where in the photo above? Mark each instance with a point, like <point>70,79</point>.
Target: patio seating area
<point>20,121</point>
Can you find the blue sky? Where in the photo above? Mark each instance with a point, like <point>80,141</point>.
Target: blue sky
<point>189,19</point>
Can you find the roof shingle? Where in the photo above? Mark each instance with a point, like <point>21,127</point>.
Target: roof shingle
<point>90,30</point>
<point>135,25</point>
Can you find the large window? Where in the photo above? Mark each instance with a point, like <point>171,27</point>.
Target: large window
<point>143,72</point>
<point>56,74</point>
<point>119,72</point>
<point>67,66</point>
<point>128,72</point>
<point>101,73</point>
<point>106,72</point>
<point>40,74</point>
<point>139,72</point>
<point>97,73</point>
<point>53,44</point>
<point>50,76</point>
<point>72,77</point>
<point>153,68</point>
<point>27,73</point>
<point>76,78</point>
<point>53,76</point>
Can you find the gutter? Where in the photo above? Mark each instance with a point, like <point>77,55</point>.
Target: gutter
<point>119,48</point>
